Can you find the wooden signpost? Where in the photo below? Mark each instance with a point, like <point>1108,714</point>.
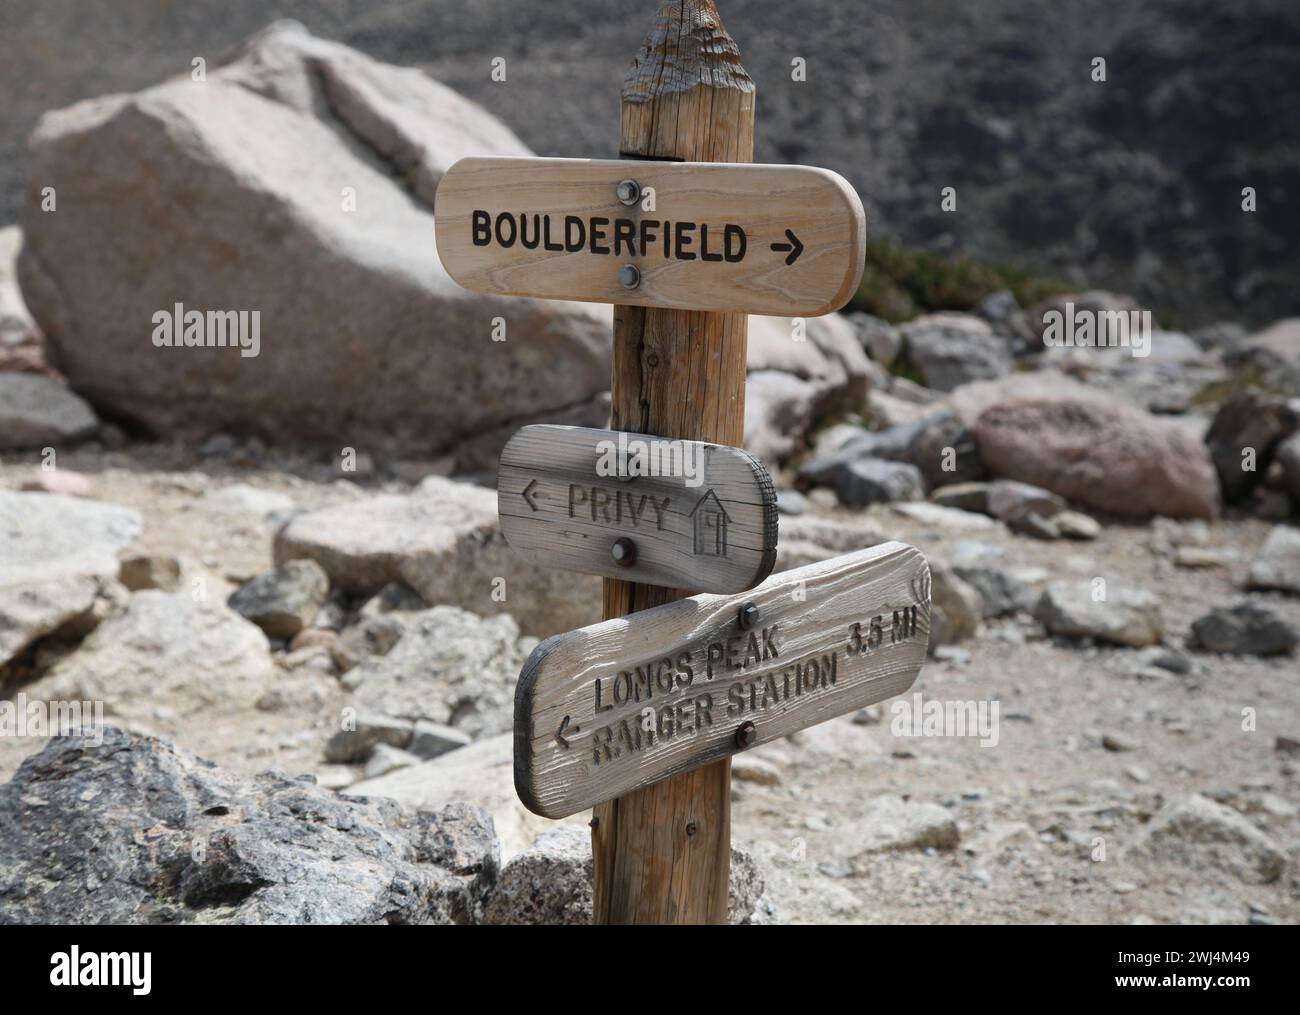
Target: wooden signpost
<point>684,514</point>
<point>625,703</point>
<point>639,715</point>
<point>784,240</point>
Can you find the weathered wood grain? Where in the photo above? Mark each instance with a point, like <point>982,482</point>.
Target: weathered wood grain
<point>770,239</point>
<point>662,854</point>
<point>712,528</point>
<point>626,702</point>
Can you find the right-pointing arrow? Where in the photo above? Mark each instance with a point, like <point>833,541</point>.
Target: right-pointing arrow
<point>794,246</point>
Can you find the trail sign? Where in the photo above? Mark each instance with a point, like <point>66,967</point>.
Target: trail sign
<point>683,514</point>
<point>758,239</point>
<point>606,709</point>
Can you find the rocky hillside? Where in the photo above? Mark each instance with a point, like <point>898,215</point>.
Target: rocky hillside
<point>1133,183</point>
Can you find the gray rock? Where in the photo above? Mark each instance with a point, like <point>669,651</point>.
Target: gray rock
<point>153,571</point>
<point>444,542</point>
<point>959,605</point>
<point>450,667</point>
<point>874,480</point>
<point>1124,616</point>
<point>1248,628</point>
<point>364,336</point>
<point>791,502</point>
<point>880,339</point>
<point>1011,501</point>
<point>949,350</point>
<point>362,732</point>
<point>1277,565</point>
<point>133,830</point>
<point>37,411</point>
<point>386,758</point>
<point>432,740</point>
<point>938,444</point>
<point>1253,421</point>
<point>1001,592</point>
<point>549,883</point>
<point>1200,835</point>
<point>963,496</point>
<point>283,601</point>
<point>57,556</point>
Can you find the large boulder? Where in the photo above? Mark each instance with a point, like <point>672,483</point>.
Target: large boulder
<point>297,180</point>
<point>58,554</point>
<point>167,661</point>
<point>444,541</point>
<point>1107,456</point>
<point>129,830</point>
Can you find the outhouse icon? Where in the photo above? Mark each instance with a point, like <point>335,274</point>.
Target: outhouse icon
<point>710,519</point>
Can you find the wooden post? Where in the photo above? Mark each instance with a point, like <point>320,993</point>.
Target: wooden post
<point>663,853</point>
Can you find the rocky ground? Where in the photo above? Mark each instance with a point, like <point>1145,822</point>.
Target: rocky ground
<point>1095,741</point>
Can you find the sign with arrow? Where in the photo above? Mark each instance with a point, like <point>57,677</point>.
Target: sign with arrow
<point>759,239</point>
<point>683,514</point>
<point>606,709</point>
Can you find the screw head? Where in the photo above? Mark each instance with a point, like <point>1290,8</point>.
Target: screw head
<point>746,735</point>
<point>629,276</point>
<point>623,551</point>
<point>629,191</point>
<point>692,827</point>
<point>748,616</point>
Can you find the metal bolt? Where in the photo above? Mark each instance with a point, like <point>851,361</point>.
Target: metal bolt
<point>746,735</point>
<point>594,822</point>
<point>629,276</point>
<point>748,616</point>
<point>629,191</point>
<point>691,828</point>
<point>623,551</point>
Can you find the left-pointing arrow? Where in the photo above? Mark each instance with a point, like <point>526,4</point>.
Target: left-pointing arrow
<point>529,496</point>
<point>565,727</point>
